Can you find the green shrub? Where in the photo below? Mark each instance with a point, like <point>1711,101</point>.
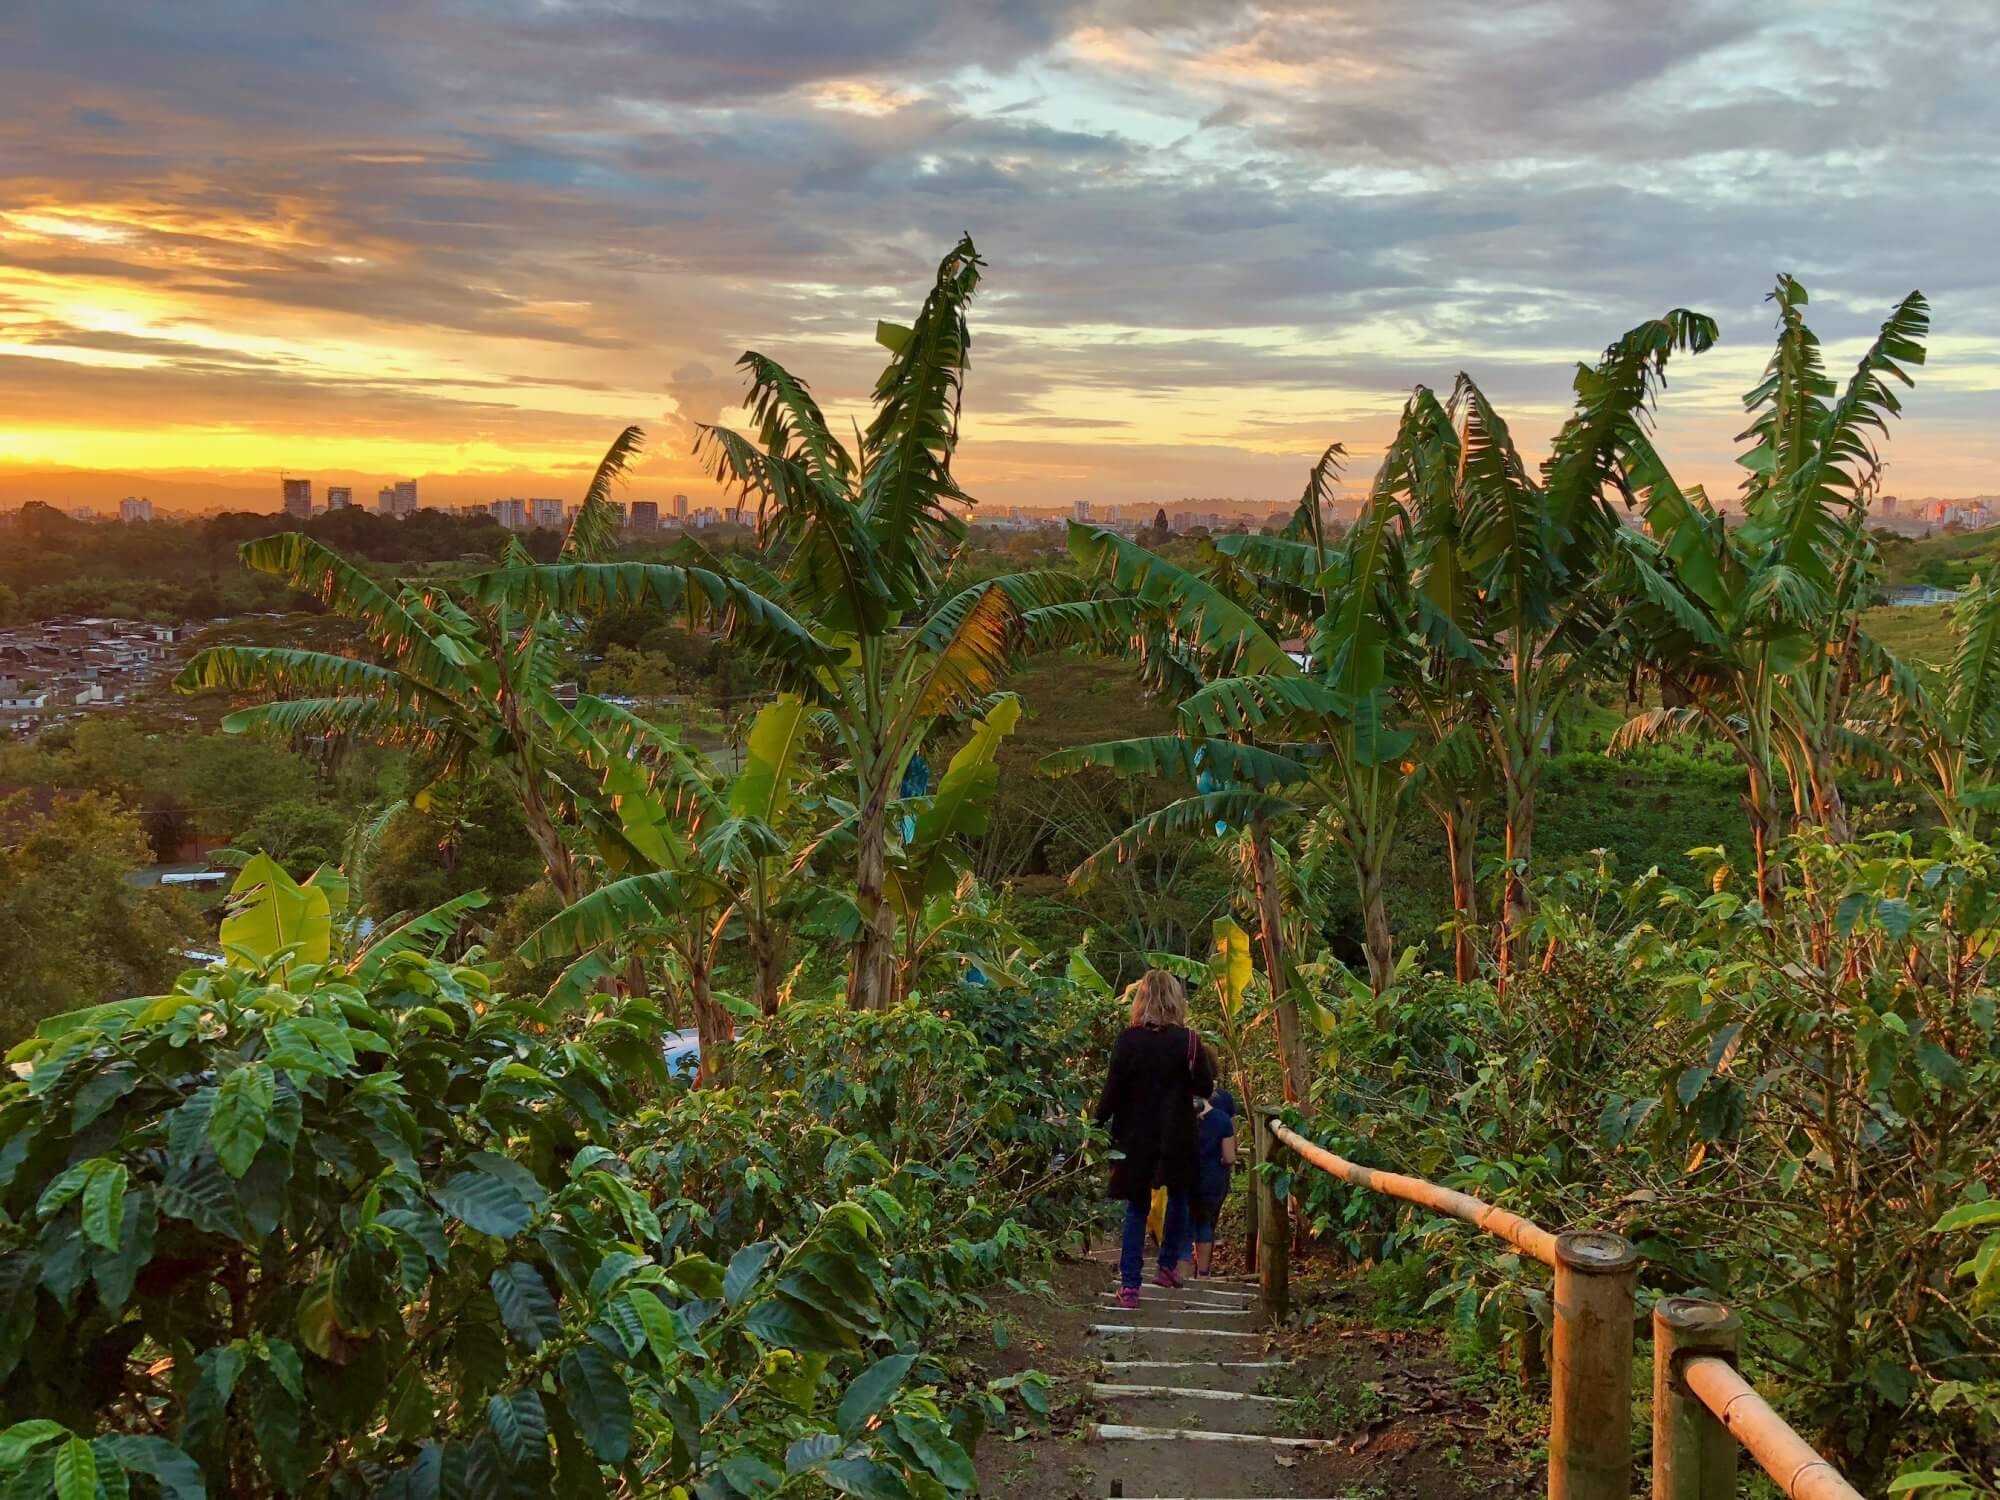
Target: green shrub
<point>1777,1108</point>
<point>320,1233</point>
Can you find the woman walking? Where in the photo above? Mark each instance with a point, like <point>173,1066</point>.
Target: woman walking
<point>1158,1069</point>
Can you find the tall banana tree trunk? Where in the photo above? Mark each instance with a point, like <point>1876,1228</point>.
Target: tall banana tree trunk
<point>1291,1042</point>
<point>1829,807</point>
<point>1516,907</point>
<point>767,960</point>
<point>1381,941</point>
<point>1461,832</point>
<point>872,956</point>
<point>556,856</point>
<point>713,1024</point>
<point>1766,817</point>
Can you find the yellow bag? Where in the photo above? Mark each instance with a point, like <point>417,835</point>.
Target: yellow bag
<point>1156,1216</point>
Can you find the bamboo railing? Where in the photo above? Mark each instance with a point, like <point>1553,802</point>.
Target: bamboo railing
<point>1702,1408</point>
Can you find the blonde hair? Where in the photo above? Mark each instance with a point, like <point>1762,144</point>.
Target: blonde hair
<point>1159,999</point>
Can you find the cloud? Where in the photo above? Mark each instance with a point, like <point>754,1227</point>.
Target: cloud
<point>1219,233</point>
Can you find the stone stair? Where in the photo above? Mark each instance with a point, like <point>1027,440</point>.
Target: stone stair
<point>1194,1400</point>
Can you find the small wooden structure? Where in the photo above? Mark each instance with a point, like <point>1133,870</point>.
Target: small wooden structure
<point>1702,1408</point>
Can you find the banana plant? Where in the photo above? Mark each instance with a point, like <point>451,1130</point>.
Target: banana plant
<point>1190,630</point>
<point>1508,592</point>
<point>688,854</point>
<point>1944,719</point>
<point>463,674</point>
<point>272,922</point>
<point>1752,631</point>
<point>1254,691</point>
<point>862,546</point>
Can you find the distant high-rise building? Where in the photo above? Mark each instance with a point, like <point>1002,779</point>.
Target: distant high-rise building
<point>135,508</point>
<point>82,513</point>
<point>547,514</point>
<point>1082,510</point>
<point>1887,506</point>
<point>385,501</point>
<point>298,497</point>
<point>406,497</point>
<point>645,515</point>
<point>617,511</point>
<point>681,509</point>
<point>513,514</point>
<point>339,496</point>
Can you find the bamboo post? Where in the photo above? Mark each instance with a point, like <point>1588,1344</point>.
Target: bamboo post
<point>1590,1426</point>
<point>1694,1455</point>
<point>1274,1238</point>
<point>1252,1149</point>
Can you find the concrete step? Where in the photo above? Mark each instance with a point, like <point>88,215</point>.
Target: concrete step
<point>1179,1312</point>
<point>1149,1339</point>
<point>1248,1375</point>
<point>1117,1432</point>
<point>1237,1467</point>
<point>1202,1411</point>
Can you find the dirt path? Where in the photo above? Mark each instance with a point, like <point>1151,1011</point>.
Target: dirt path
<point>1319,1408</point>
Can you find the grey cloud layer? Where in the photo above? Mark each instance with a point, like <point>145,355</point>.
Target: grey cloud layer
<point>647,188</point>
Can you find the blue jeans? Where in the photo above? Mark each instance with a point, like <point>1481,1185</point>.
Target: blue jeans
<point>1173,1239</point>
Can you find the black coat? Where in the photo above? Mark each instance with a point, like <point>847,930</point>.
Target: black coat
<point>1148,1105</point>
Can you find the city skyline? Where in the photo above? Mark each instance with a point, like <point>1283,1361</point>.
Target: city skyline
<point>1219,236</point>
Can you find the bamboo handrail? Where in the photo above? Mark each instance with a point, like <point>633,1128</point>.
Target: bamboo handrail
<point>1695,1344</point>
<point>1596,1277</point>
<point>1767,1437</point>
<point>1528,1237</point>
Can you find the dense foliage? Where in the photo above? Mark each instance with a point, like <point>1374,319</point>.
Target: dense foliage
<point>1779,1108</point>
<point>361,1224</point>
<point>335,1218</point>
<point>71,923</point>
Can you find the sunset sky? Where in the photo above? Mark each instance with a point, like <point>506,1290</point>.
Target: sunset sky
<point>474,239</point>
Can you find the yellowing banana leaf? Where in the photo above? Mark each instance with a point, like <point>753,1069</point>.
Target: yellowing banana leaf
<point>1230,965</point>
<point>270,912</point>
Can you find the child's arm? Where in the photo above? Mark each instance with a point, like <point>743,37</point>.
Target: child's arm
<point>1229,1147</point>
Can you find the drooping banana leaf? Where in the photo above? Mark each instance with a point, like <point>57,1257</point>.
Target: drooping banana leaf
<point>423,932</point>
<point>1196,815</point>
<point>1229,965</point>
<point>1196,607</point>
<point>1182,757</point>
<point>964,797</point>
<point>613,913</point>
<point>350,593</point>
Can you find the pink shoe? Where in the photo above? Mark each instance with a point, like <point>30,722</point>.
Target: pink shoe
<point>1128,1297</point>
<point>1167,1276</point>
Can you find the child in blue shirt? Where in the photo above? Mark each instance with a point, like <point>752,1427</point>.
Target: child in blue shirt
<point>1217,1132</point>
